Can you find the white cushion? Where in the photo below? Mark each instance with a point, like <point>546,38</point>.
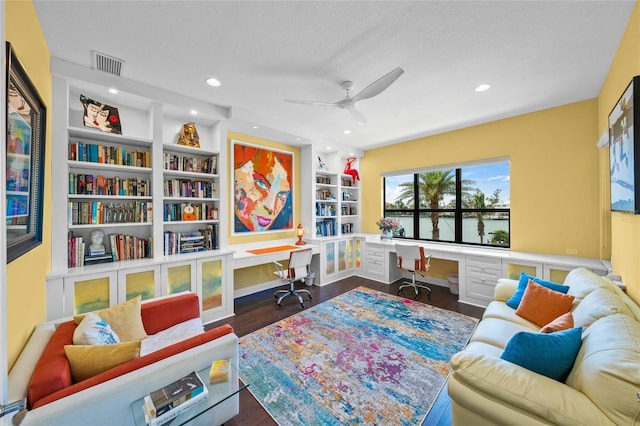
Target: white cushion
<point>171,335</point>
<point>497,332</point>
<point>598,304</point>
<point>93,330</point>
<point>606,369</point>
<point>525,391</point>
<point>505,288</point>
<point>582,281</point>
<point>500,310</point>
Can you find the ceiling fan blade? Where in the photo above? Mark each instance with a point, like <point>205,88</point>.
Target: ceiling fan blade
<point>311,102</point>
<point>357,115</point>
<point>379,85</point>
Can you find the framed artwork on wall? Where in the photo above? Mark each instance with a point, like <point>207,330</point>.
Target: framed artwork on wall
<point>262,189</point>
<point>624,155</point>
<point>25,120</point>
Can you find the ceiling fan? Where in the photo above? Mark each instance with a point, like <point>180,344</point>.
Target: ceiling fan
<point>350,103</point>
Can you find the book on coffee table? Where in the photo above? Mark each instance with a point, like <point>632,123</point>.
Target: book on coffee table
<point>168,402</point>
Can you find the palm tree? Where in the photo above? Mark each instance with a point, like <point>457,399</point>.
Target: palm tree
<point>432,187</point>
<point>478,201</point>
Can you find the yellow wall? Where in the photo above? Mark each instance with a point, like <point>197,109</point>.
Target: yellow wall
<point>248,277</point>
<point>625,228</point>
<point>554,174</point>
<point>26,293</point>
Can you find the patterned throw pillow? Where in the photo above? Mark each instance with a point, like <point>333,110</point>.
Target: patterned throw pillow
<point>93,330</point>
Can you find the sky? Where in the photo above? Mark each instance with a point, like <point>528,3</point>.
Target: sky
<point>487,178</point>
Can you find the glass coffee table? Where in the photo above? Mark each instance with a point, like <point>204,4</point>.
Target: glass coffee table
<point>218,393</point>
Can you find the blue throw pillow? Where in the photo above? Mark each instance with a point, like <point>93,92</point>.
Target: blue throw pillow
<point>514,302</point>
<point>551,354</point>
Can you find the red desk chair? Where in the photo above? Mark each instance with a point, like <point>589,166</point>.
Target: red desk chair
<point>411,258</point>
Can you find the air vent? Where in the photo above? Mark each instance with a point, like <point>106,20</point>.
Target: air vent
<point>106,63</point>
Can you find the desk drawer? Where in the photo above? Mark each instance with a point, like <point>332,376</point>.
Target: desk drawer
<point>375,254</point>
<point>484,273</point>
<point>485,262</point>
<point>480,288</point>
<point>375,268</point>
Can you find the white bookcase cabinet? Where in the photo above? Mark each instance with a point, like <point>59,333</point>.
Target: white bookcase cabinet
<point>151,120</point>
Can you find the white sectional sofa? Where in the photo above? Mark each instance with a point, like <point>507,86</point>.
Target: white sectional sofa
<point>601,388</point>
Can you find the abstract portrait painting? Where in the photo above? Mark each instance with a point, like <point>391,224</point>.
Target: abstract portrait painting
<point>263,188</point>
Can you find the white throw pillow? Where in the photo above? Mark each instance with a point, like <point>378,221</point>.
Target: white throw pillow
<point>93,330</point>
<point>598,304</point>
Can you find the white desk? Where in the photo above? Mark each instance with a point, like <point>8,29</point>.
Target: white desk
<point>243,259</point>
<point>479,268</point>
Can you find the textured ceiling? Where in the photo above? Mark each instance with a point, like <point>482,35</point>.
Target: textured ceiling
<point>535,55</point>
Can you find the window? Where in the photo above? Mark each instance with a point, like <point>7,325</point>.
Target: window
<point>468,205</point>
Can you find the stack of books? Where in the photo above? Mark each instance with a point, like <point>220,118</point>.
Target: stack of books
<point>168,402</point>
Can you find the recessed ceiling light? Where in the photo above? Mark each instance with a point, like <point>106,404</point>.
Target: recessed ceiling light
<point>328,148</point>
<point>113,90</point>
<point>211,81</point>
<point>194,112</point>
<point>351,154</point>
<point>483,87</point>
<point>297,139</point>
<point>255,127</point>
<point>347,132</point>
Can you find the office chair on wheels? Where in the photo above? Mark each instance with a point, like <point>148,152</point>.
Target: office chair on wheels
<point>298,270</point>
<point>411,258</point>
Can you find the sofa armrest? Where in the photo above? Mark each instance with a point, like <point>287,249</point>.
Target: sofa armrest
<point>523,390</point>
<point>21,372</point>
<point>505,288</point>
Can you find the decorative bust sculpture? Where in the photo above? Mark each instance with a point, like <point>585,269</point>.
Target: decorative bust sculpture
<point>97,247</point>
<point>189,135</point>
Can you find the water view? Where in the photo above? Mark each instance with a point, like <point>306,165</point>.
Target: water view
<point>447,228</point>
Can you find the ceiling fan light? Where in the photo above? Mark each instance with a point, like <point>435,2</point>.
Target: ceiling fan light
<point>213,82</point>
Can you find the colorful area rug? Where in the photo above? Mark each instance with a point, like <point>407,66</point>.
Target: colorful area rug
<point>272,249</point>
<point>364,357</point>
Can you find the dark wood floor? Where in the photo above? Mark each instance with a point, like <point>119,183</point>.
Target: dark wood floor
<point>259,310</point>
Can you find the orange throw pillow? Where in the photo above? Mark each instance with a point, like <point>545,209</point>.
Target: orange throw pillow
<point>563,322</point>
<point>541,305</point>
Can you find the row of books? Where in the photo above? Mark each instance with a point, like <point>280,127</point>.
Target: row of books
<point>84,184</point>
<point>185,163</point>
<point>98,153</point>
<point>189,188</point>
<point>348,210</point>
<point>347,228</point>
<point>324,194</point>
<point>191,242</point>
<point>123,247</point>
<point>98,212</point>
<point>325,209</point>
<point>326,227</point>
<point>163,405</point>
<point>177,212</point>
<point>128,247</point>
<point>75,250</point>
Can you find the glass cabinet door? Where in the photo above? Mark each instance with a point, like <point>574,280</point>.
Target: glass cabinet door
<point>178,277</point>
<point>138,282</point>
<point>90,292</point>
<point>210,283</point>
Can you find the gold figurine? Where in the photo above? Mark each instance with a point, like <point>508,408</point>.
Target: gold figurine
<point>189,135</point>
